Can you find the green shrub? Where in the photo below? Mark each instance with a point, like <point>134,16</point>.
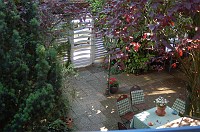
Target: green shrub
<point>31,78</point>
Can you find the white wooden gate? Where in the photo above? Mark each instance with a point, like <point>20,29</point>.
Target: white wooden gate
<point>82,43</point>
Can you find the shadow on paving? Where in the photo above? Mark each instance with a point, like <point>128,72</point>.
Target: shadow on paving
<point>93,111</point>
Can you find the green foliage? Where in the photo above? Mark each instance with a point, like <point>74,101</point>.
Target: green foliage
<point>37,105</point>
<point>58,125</point>
<point>96,5</point>
<point>137,62</point>
<point>7,107</point>
<point>31,78</point>
<point>115,70</point>
<point>64,51</point>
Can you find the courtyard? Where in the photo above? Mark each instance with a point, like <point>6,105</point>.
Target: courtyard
<point>92,110</point>
<point>44,42</point>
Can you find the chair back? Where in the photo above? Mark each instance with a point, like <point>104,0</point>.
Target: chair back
<point>121,126</point>
<point>123,105</point>
<point>179,106</point>
<point>137,97</point>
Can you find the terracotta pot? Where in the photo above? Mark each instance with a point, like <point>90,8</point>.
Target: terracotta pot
<point>69,123</point>
<point>161,111</point>
<point>113,90</point>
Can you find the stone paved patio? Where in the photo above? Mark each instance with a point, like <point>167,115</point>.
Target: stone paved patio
<point>93,111</point>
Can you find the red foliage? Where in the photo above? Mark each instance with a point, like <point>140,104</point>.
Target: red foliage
<point>136,46</point>
<point>174,65</point>
<point>180,53</point>
<point>54,12</point>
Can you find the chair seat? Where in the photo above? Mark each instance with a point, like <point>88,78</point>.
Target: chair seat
<point>124,108</point>
<point>121,126</point>
<point>141,106</point>
<point>128,116</point>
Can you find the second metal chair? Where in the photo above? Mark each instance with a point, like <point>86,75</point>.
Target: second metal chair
<point>137,99</point>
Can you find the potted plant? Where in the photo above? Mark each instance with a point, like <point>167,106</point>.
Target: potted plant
<point>161,104</point>
<point>114,85</point>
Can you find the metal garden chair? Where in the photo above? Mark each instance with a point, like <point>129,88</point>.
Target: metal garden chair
<point>179,106</point>
<point>124,108</point>
<point>137,99</point>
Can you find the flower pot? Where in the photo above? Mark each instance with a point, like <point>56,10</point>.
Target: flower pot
<point>69,123</point>
<point>161,111</point>
<point>113,90</point>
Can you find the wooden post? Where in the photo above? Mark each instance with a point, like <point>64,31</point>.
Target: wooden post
<point>108,77</point>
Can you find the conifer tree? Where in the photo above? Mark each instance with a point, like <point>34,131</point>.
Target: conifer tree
<point>30,75</point>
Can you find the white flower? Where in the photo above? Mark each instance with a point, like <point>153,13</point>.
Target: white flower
<point>160,101</point>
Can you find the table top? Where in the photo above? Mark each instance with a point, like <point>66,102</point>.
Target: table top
<point>183,121</point>
<point>150,116</point>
